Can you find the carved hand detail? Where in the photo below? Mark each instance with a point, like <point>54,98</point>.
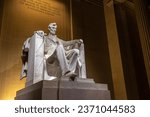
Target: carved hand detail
<point>80,41</point>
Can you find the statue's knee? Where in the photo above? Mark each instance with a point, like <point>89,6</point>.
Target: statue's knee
<point>60,49</point>
<point>60,46</point>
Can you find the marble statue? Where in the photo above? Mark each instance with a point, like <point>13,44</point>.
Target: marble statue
<point>46,57</point>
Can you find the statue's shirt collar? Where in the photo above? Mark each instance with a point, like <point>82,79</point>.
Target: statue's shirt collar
<point>52,37</point>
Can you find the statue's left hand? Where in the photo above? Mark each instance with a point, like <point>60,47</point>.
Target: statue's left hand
<point>80,41</point>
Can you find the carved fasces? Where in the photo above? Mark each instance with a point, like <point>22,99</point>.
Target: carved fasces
<point>35,58</point>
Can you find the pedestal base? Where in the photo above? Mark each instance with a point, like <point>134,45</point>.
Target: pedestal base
<point>64,89</point>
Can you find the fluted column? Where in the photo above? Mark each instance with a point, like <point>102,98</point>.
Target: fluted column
<point>114,51</point>
<point>144,31</point>
<point>1,13</point>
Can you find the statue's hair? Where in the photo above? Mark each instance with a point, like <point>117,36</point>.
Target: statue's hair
<point>52,24</point>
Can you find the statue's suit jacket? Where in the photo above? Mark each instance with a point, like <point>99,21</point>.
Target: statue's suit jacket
<point>51,45</point>
<point>39,55</point>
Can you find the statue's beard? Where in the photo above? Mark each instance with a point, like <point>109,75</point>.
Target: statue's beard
<point>53,32</point>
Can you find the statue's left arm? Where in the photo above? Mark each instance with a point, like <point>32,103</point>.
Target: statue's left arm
<point>72,42</point>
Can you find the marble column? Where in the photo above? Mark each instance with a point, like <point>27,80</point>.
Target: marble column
<point>144,32</point>
<point>114,51</point>
<point>1,14</point>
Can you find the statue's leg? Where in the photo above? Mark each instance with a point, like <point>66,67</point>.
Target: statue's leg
<point>73,56</point>
<point>62,59</point>
<point>45,73</point>
<point>82,60</point>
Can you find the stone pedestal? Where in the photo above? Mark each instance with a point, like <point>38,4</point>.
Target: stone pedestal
<point>64,89</point>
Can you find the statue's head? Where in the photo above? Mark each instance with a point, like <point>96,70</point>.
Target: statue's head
<point>52,27</point>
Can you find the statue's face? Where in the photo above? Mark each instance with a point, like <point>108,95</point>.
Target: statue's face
<point>52,28</point>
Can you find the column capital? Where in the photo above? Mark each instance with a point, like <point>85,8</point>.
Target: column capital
<point>126,3</point>
<point>120,1</point>
<point>110,2</point>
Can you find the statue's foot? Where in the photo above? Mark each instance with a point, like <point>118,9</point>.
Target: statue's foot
<point>71,75</point>
<point>72,78</point>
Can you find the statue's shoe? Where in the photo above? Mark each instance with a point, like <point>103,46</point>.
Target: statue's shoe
<point>71,75</point>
